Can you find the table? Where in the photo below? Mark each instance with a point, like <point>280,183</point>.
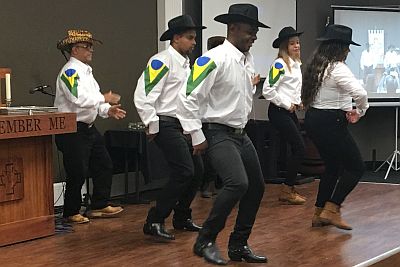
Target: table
<point>127,149</point>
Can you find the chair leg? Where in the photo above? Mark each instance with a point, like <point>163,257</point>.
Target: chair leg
<point>87,198</point>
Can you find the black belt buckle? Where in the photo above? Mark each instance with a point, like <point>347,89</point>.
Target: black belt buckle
<point>222,127</point>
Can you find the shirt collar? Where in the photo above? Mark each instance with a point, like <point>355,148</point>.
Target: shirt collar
<point>294,63</point>
<point>183,61</point>
<point>236,53</point>
<point>82,65</point>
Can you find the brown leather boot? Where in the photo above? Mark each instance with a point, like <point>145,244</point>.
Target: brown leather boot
<point>290,196</point>
<point>316,220</point>
<point>331,215</point>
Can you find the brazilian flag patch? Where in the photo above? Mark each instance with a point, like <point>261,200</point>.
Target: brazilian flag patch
<point>70,78</point>
<point>275,73</point>
<point>200,70</point>
<point>153,74</point>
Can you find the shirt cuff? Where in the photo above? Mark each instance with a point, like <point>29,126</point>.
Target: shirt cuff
<point>287,104</point>
<point>198,137</point>
<point>154,127</point>
<point>360,112</point>
<point>102,99</point>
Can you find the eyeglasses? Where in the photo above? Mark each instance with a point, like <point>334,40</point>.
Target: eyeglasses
<point>85,46</point>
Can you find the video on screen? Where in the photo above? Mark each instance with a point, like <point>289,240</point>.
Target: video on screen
<point>376,63</point>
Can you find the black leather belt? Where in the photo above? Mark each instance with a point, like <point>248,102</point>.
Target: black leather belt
<point>222,127</point>
<point>168,118</point>
<point>336,111</point>
<point>84,125</point>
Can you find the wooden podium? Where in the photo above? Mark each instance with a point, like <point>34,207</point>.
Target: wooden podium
<point>26,174</point>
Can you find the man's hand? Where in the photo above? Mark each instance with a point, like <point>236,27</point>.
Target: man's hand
<point>300,106</point>
<point>200,148</point>
<point>352,116</point>
<point>256,80</point>
<point>116,112</point>
<point>149,136</point>
<point>292,108</point>
<point>111,98</point>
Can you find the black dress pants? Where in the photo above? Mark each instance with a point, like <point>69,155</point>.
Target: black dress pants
<point>85,155</point>
<point>343,162</point>
<point>235,160</point>
<point>288,127</point>
<point>185,174</point>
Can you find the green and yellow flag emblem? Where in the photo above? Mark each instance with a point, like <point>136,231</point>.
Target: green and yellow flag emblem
<point>200,70</point>
<point>154,72</point>
<point>70,78</point>
<point>275,73</point>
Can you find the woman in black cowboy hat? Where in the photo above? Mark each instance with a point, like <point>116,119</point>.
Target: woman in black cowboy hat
<point>328,89</point>
<point>283,87</point>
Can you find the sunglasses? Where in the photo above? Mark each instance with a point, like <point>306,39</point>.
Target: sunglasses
<point>85,46</point>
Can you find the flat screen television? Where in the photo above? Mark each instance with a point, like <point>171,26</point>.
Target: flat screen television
<point>376,63</point>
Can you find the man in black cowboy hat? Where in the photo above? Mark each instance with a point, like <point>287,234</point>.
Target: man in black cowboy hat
<point>155,101</point>
<point>84,152</point>
<point>214,109</point>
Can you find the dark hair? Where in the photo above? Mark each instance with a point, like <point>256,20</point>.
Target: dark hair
<point>328,52</point>
<point>215,41</point>
<point>68,48</point>
<point>180,31</point>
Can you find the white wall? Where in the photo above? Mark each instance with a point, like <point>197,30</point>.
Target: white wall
<point>166,9</point>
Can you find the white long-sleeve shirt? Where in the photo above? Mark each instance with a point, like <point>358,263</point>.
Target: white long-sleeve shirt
<point>367,59</point>
<point>338,90</point>
<point>219,90</point>
<point>77,91</point>
<point>283,87</point>
<point>157,88</point>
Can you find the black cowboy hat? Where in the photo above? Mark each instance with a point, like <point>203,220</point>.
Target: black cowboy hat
<point>285,34</point>
<point>179,24</point>
<point>246,13</point>
<point>339,33</point>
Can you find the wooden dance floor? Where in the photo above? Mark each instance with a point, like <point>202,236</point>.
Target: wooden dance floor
<point>283,233</point>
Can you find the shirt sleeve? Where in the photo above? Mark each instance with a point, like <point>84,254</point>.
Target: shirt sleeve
<point>193,97</point>
<point>74,91</point>
<point>103,110</point>
<point>148,90</point>
<point>346,80</point>
<point>274,78</point>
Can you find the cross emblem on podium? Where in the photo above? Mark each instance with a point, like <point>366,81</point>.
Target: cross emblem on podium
<point>9,178</point>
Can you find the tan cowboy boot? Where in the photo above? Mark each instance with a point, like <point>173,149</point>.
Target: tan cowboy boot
<point>331,215</point>
<point>316,220</point>
<point>290,196</point>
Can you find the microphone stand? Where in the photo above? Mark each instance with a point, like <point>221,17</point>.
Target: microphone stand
<point>43,91</point>
<point>47,93</point>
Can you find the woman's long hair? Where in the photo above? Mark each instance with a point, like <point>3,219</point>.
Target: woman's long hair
<point>327,54</point>
<point>284,54</point>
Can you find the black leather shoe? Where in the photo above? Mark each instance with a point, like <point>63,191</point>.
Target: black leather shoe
<point>187,225</point>
<point>245,253</point>
<point>209,251</point>
<point>158,230</point>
